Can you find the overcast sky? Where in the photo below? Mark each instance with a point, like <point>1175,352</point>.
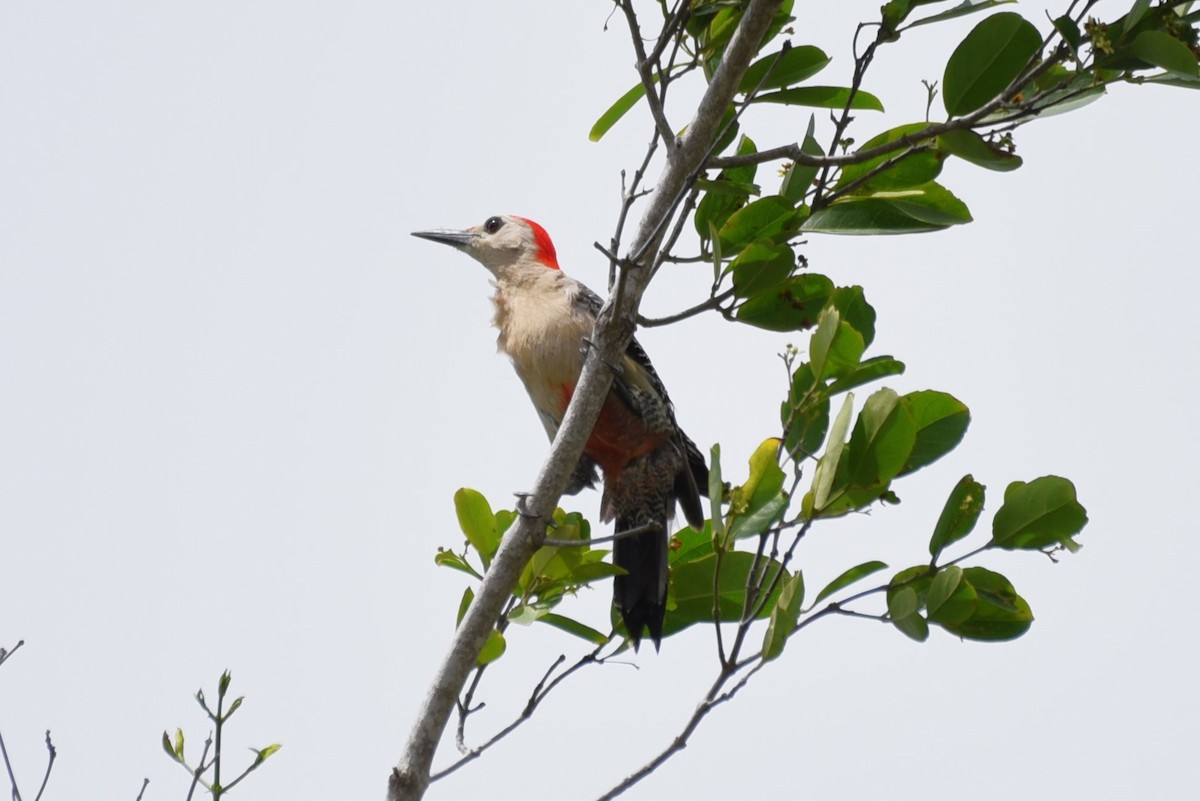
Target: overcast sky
<point>236,398</point>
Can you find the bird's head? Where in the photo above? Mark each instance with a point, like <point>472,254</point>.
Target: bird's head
<point>500,243</point>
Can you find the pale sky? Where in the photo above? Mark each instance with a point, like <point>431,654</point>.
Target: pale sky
<point>236,398</point>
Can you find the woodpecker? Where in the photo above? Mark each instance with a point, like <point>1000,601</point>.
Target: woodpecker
<point>648,463</point>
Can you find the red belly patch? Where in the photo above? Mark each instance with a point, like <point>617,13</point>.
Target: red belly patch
<point>619,437</point>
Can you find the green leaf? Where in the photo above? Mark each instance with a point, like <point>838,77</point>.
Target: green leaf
<point>760,502</point>
<point>921,167</point>
<point>261,755</point>
<point>835,347</point>
<point>1069,31</point>
<point>826,471</point>
<point>761,267</point>
<point>690,598</point>
<point>1171,79</point>
<point>574,627</point>
<point>799,177</point>
<point>616,111</point>
<point>931,207</point>
<point>464,604</point>
<point>963,8</point>
<point>766,477</point>
<point>174,750</point>
<point>805,414</point>
<point>950,600</point>
<point>589,572</point>
<point>882,441</point>
<point>999,613</point>
<point>727,131</point>
<point>854,574</point>
<point>492,649</point>
<point>867,371</point>
<point>905,597</point>
<point>791,66</point>
<point>1163,50</point>
<point>784,616</point>
<point>852,305</point>
<point>1139,9</point>
<point>903,603</point>
<point>893,13</point>
<point>941,421</point>
<point>689,545</point>
<point>914,627</point>
<point>823,97</point>
<point>994,53</point>
<point>792,306</point>
<point>771,218</point>
<point>447,558</point>
<point>973,148</point>
<point>476,520</point>
<point>759,519</point>
<point>1039,514</point>
<point>716,492</point>
<point>959,515</point>
<point>715,207</point>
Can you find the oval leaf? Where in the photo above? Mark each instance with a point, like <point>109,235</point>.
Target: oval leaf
<point>823,97</point>
<point>792,306</point>
<point>987,60</point>
<point>492,649</point>
<point>784,617</point>
<point>772,218</point>
<point>971,147</point>
<point>1038,515</point>
<point>776,71</point>
<point>856,573</point>
<point>941,421</point>
<point>1167,52</point>
<point>477,522</point>
<point>761,267</point>
<point>958,515</point>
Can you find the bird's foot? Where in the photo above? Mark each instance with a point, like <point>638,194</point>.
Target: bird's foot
<point>589,345</point>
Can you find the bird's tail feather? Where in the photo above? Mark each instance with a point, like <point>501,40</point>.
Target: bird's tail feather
<point>641,593</point>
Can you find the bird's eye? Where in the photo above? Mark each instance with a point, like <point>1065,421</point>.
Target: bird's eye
<point>493,224</point>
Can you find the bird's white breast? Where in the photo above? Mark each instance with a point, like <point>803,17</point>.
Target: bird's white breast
<point>542,329</point>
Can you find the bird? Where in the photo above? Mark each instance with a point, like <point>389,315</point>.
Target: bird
<point>648,464</point>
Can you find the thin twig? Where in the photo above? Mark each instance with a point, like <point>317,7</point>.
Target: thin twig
<point>620,535</point>
<point>535,699</point>
<point>861,63</point>
<point>465,710</point>
<point>715,696</point>
<point>712,304</point>
<point>644,68</point>
<point>629,195</point>
<point>49,766</point>
<point>12,779</point>
<point>142,792</point>
<point>5,654</point>
<point>200,768</point>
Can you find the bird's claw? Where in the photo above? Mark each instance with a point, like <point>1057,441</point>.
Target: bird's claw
<point>522,502</point>
<point>589,345</point>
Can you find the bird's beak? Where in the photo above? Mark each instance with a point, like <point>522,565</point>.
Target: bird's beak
<point>457,239</point>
